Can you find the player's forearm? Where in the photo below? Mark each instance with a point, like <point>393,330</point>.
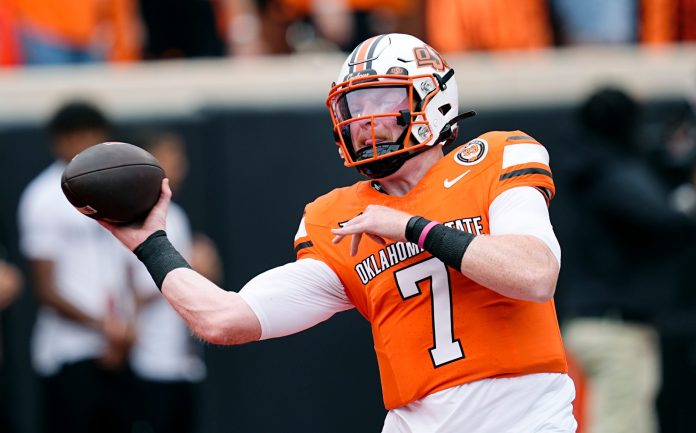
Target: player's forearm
<point>215,315</point>
<point>516,266</point>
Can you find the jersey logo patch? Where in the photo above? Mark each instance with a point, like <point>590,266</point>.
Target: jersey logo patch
<point>472,153</point>
<point>449,183</point>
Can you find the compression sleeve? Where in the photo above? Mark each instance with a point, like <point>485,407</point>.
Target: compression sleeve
<point>523,211</point>
<point>295,297</point>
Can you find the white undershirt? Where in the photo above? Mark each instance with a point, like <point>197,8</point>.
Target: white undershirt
<point>301,294</point>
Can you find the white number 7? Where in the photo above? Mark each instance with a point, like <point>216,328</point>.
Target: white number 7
<point>445,348</point>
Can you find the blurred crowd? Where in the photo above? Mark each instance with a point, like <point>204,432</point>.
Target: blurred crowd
<point>110,353</point>
<point>34,32</point>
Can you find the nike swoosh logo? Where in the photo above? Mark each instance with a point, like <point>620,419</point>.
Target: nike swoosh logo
<point>448,183</point>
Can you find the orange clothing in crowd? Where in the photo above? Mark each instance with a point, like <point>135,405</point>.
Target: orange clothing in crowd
<point>82,22</point>
<point>666,21</point>
<point>463,25</point>
<point>304,7</point>
<point>9,45</point>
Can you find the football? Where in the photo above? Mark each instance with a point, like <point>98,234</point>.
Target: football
<point>114,182</point>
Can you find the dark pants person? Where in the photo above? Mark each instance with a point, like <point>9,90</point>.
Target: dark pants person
<point>86,398</point>
<point>164,407</point>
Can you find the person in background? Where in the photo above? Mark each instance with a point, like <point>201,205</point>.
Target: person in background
<point>286,26</point>
<point>627,275</point>
<point>179,29</point>
<point>10,54</point>
<point>54,32</point>
<point>165,359</point>
<point>596,21</point>
<point>451,258</point>
<point>488,25</point>
<point>83,328</point>
<point>10,287</point>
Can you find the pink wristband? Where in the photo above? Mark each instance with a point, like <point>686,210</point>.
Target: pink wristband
<point>424,233</point>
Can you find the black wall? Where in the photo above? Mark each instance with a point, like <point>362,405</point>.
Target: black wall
<point>251,174</point>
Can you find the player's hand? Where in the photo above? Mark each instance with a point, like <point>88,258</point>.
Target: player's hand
<point>133,235</point>
<point>379,223</point>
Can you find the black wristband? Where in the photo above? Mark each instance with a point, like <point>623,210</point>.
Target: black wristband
<point>414,227</point>
<point>159,256</point>
<point>445,243</point>
<point>448,244</point>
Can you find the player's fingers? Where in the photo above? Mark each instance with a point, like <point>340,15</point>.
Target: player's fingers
<point>349,228</point>
<point>165,195</point>
<point>338,238</point>
<point>355,243</point>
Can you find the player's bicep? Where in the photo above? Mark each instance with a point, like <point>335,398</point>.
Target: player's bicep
<point>522,210</point>
<point>294,297</point>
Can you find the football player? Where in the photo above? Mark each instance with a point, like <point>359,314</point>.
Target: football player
<point>452,258</point>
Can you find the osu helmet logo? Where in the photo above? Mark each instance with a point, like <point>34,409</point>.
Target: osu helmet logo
<point>426,56</point>
<point>472,153</point>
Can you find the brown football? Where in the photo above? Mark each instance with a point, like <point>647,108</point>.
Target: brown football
<point>115,182</point>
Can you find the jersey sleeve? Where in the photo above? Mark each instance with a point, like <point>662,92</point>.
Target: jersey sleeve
<point>523,162</point>
<point>305,246</point>
<point>295,297</point>
<point>522,211</point>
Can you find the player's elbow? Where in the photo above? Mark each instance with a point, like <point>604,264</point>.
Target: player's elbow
<point>222,334</point>
<point>235,325</point>
<point>541,283</point>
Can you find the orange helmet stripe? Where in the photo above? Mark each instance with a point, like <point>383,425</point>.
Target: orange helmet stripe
<point>362,54</point>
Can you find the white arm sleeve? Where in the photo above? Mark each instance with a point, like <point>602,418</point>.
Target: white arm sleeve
<point>294,297</point>
<point>523,211</point>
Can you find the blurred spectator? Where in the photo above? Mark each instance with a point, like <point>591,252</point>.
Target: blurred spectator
<point>342,24</point>
<point>9,42</point>
<point>82,334</point>
<point>10,286</point>
<point>596,21</point>
<point>681,141</point>
<point>284,26</point>
<point>180,29</point>
<point>77,31</point>
<point>472,25</point>
<point>666,21</point>
<point>624,21</point>
<point>165,359</point>
<point>247,31</point>
<point>10,283</point>
<point>625,248</point>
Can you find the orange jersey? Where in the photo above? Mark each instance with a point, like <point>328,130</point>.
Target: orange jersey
<point>434,328</point>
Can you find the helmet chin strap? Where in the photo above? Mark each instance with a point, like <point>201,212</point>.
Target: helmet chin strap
<point>384,167</point>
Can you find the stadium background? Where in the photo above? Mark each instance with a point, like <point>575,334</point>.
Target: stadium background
<point>259,141</point>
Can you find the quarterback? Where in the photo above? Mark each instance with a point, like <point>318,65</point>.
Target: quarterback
<point>451,258</point>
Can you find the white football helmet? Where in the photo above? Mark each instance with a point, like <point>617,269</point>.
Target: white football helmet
<point>395,96</point>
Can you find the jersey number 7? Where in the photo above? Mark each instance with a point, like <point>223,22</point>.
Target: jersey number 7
<point>408,280</point>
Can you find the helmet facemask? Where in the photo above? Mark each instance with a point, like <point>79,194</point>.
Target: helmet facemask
<point>379,123</point>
